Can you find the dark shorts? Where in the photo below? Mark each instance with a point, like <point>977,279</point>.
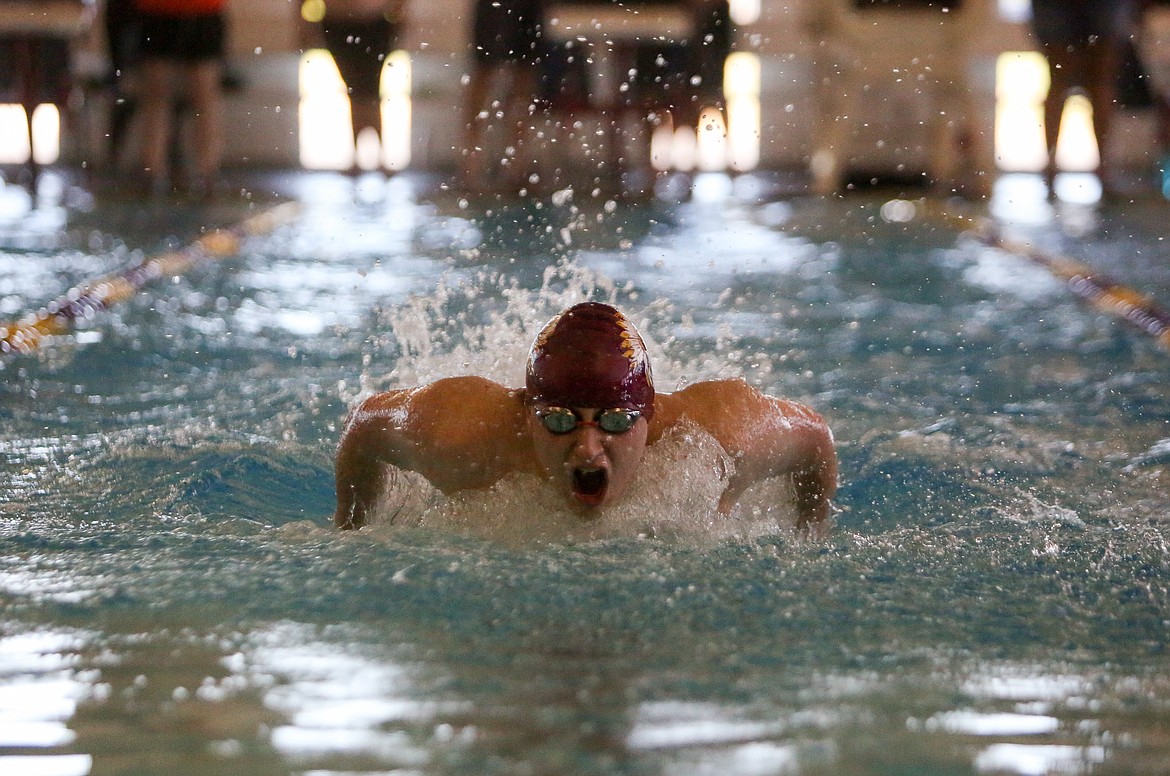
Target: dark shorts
<point>1080,22</point>
<point>507,31</point>
<point>35,69</point>
<point>183,39</point>
<point>359,48</point>
<point>564,78</point>
<point>674,74</point>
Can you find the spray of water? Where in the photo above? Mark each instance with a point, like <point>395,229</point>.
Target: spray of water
<point>483,324</point>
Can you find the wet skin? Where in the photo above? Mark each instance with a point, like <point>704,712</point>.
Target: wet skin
<point>468,432</point>
<point>592,467</point>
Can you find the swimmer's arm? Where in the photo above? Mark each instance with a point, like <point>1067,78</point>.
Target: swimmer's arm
<point>373,437</point>
<point>767,437</point>
<point>458,433</point>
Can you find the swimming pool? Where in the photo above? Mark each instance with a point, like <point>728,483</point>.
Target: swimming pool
<point>994,598</point>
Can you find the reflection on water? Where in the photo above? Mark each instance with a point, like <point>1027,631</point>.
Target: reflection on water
<point>994,598</point>
<point>1027,759</point>
<point>39,691</point>
<point>339,704</point>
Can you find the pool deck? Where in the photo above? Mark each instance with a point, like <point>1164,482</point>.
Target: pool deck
<point>1053,232</point>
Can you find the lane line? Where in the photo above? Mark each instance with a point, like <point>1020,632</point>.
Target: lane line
<point>83,301</point>
<point>1098,289</point>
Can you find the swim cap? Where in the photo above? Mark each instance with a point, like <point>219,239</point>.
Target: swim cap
<point>590,356</point>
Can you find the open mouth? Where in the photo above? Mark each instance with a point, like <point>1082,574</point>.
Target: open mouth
<point>589,485</point>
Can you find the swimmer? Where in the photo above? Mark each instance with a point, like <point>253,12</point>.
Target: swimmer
<point>582,421</point>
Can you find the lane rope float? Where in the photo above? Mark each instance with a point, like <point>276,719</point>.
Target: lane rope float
<point>1101,291</point>
<point>83,301</point>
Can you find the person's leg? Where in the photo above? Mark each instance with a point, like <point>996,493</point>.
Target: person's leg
<point>519,115</point>
<point>474,125</point>
<point>1069,68</point>
<point>366,112</point>
<point>1059,85</point>
<point>158,75</point>
<point>204,83</point>
<point>1162,122</point>
<point>1102,64</point>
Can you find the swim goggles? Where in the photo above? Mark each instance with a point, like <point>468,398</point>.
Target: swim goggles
<point>562,420</point>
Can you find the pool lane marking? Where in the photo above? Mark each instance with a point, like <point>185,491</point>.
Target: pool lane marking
<point>85,300</point>
<point>1101,291</point>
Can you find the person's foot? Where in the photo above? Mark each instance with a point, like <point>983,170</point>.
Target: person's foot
<point>1050,182</point>
<point>203,188</point>
<point>148,186</point>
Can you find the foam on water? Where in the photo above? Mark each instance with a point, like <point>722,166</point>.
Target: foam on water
<point>674,497</point>
<point>484,325</point>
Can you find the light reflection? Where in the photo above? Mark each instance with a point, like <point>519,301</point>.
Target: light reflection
<point>36,652</point>
<point>1021,85</point>
<point>1018,11</point>
<point>47,765</point>
<point>720,141</point>
<point>1021,81</point>
<point>673,724</point>
<point>898,211</point>
<point>397,109</point>
<point>44,584</point>
<point>1076,147</point>
<point>1004,273</point>
<point>325,122</point>
<point>711,187</point>
<point>36,735</point>
<point>661,145</point>
<point>1020,198</point>
<point>325,129</point>
<point>46,134</point>
<point>741,88</point>
<point>744,12</point>
<point>39,693</point>
<point>711,141</point>
<point>683,151</point>
<point>294,740</point>
<point>1027,687</point>
<point>1038,759</point>
<point>339,702</point>
<point>760,758</point>
<point>974,723</point>
<point>1078,188</point>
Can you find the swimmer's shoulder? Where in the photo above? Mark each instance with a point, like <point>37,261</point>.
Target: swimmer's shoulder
<point>726,407</point>
<point>702,398</point>
<point>464,389</point>
<point>471,389</point>
<point>733,397</point>
<point>458,432</point>
<point>459,401</point>
<point>466,410</point>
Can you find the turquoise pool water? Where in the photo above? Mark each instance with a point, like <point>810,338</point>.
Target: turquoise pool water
<point>994,597</point>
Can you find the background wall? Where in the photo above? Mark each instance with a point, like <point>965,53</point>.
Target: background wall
<point>810,49</point>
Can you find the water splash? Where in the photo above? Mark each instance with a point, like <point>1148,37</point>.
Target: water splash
<point>674,497</point>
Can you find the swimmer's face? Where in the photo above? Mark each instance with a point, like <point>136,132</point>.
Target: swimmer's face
<point>594,467</point>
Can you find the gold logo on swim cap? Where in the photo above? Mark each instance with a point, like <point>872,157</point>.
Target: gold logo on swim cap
<point>542,338</point>
<point>633,348</point>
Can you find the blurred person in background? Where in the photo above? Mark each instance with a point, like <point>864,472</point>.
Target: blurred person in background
<point>502,90</point>
<point>181,45</point>
<point>360,34</point>
<point>1083,41</point>
<point>1154,48</point>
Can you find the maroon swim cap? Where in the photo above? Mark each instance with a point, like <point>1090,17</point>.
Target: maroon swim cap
<point>591,356</point>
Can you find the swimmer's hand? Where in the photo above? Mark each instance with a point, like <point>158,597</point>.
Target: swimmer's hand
<point>765,437</point>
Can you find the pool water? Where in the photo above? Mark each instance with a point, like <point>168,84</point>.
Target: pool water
<point>994,597</point>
